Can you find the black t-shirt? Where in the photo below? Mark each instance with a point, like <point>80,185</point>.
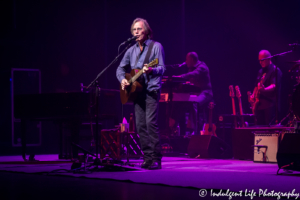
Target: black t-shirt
<point>267,99</point>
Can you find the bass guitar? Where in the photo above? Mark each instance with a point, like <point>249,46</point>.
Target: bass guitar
<point>254,99</point>
<point>130,93</point>
<point>231,94</point>
<point>238,95</point>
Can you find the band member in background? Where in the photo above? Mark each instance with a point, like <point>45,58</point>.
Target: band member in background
<point>146,104</point>
<point>265,109</point>
<point>197,74</point>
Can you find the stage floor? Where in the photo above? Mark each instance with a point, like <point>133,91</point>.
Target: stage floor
<point>235,175</point>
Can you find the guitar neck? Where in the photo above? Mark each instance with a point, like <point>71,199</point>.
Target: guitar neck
<point>241,113</point>
<point>136,76</point>
<point>233,106</point>
<point>240,106</point>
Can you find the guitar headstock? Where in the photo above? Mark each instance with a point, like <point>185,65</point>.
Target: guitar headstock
<point>231,91</point>
<point>262,78</point>
<point>153,63</point>
<point>238,92</point>
<point>211,105</point>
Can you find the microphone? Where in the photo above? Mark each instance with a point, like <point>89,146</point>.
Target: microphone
<point>129,40</point>
<point>176,65</point>
<point>184,63</point>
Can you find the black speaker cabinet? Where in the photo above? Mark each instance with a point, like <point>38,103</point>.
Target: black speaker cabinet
<point>288,154</point>
<point>207,146</point>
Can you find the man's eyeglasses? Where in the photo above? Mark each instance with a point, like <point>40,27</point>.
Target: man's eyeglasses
<point>263,59</point>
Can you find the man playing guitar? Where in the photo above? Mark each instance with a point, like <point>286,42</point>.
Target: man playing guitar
<point>264,94</point>
<point>146,103</point>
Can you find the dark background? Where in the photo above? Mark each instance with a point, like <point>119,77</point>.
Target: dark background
<point>72,41</point>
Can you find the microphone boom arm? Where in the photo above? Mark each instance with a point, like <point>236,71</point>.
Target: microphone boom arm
<point>115,60</point>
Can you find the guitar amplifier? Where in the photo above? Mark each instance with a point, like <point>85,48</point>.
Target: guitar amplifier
<point>266,146</point>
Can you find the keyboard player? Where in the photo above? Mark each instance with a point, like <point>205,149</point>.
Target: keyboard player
<point>197,73</point>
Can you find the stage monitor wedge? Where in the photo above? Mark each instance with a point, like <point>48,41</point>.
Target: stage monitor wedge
<point>288,155</point>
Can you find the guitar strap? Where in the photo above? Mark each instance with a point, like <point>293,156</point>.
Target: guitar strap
<point>146,61</point>
<point>148,52</point>
<point>147,55</point>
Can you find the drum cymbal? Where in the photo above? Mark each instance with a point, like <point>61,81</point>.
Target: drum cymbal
<point>297,62</point>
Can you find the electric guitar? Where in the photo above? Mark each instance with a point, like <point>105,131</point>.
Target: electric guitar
<point>238,95</point>
<point>130,93</point>
<point>255,99</point>
<point>231,94</point>
<point>210,128</point>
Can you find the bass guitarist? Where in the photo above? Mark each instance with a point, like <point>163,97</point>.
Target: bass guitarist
<point>146,103</point>
<point>264,103</point>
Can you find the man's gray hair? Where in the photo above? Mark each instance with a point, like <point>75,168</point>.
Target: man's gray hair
<point>146,26</point>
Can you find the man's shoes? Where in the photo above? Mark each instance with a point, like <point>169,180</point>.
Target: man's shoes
<point>146,164</point>
<point>155,165</point>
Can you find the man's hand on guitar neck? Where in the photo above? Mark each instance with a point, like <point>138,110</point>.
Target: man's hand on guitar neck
<point>124,83</point>
<point>261,87</point>
<point>146,69</point>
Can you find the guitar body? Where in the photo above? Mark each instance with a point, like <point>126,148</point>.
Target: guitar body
<point>210,130</point>
<point>130,93</point>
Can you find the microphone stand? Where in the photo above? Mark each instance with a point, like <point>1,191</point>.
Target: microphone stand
<point>95,83</point>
